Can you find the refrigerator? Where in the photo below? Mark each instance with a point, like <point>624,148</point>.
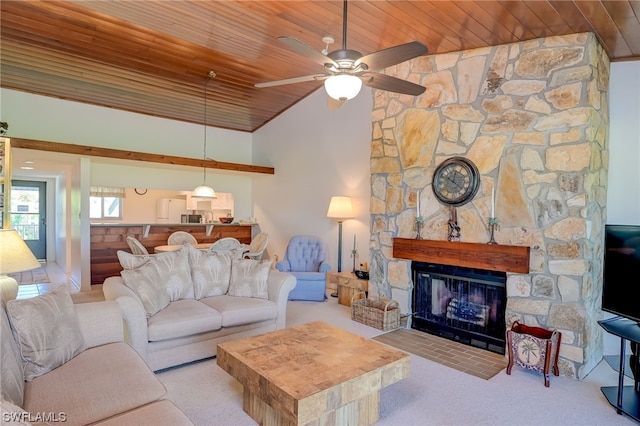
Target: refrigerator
<point>170,210</point>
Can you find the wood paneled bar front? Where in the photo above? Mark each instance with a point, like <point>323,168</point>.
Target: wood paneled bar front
<point>107,239</point>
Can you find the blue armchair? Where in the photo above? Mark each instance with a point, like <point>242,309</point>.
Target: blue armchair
<point>305,259</point>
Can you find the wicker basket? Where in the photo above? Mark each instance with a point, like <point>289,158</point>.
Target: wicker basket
<point>380,314</point>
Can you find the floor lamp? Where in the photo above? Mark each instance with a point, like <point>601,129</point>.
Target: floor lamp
<point>340,208</point>
<point>15,256</point>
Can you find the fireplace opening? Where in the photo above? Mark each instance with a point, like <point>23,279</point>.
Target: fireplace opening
<point>466,305</point>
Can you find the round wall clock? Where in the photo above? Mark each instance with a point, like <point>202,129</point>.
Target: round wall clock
<point>140,191</point>
<point>456,181</point>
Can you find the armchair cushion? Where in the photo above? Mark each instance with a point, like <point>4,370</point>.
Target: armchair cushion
<point>47,331</point>
<point>305,253</point>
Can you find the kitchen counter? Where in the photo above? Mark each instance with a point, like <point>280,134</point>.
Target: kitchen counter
<point>108,238</point>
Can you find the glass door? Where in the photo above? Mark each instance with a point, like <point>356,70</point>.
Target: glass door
<point>28,214</point>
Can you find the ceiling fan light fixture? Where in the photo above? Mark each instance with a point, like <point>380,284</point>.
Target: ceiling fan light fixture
<point>343,87</point>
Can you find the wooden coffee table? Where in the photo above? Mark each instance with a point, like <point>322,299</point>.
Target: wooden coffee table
<point>312,373</point>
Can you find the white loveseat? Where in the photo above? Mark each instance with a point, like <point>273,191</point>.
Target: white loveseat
<point>213,297</point>
<point>68,364</point>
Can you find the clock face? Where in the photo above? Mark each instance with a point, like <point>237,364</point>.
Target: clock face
<point>456,181</point>
<point>528,351</point>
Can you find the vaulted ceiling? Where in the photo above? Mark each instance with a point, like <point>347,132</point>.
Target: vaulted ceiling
<point>153,57</point>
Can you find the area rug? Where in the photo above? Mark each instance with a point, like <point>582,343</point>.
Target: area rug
<point>468,359</point>
<point>35,276</point>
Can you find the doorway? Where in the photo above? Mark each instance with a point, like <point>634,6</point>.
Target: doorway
<point>28,214</point>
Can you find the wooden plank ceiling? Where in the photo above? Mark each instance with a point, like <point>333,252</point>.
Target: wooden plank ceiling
<point>152,57</point>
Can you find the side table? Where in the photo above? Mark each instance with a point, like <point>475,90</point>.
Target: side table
<point>625,399</point>
<point>348,285</point>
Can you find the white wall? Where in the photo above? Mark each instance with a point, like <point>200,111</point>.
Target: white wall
<point>317,153</point>
<point>623,193</point>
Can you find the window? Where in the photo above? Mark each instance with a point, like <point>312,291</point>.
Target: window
<point>105,202</point>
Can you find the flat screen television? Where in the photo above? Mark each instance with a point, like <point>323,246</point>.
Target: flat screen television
<point>622,271</point>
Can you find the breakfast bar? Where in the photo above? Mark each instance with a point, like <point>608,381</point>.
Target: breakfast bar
<point>108,238</point>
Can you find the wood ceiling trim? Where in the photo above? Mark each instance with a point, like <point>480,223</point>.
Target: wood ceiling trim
<point>135,156</point>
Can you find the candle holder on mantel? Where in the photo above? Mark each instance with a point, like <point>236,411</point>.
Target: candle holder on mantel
<point>493,225</point>
<point>419,223</point>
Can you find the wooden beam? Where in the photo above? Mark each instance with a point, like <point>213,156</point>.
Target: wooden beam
<point>95,151</point>
<point>493,257</point>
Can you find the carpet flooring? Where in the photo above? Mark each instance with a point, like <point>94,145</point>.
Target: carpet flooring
<point>35,276</point>
<point>468,359</point>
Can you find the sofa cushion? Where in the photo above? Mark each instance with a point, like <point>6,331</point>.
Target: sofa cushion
<point>211,271</point>
<point>162,412</point>
<point>12,379</point>
<point>95,385</point>
<point>249,278</point>
<point>173,267</point>
<point>242,310</point>
<point>183,318</point>
<point>46,329</point>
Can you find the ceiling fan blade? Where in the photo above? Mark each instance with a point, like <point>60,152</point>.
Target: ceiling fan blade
<point>306,51</point>
<point>393,55</point>
<point>317,77</point>
<point>391,84</point>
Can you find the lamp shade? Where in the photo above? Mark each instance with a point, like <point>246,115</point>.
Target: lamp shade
<point>15,255</point>
<point>340,207</point>
<point>204,191</point>
<point>343,87</point>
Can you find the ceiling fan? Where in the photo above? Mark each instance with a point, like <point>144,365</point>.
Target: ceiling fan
<point>345,70</point>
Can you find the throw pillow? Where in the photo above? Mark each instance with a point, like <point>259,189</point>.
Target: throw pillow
<point>174,270</point>
<point>47,331</point>
<point>146,283</point>
<point>210,271</point>
<point>249,278</point>
<point>132,261</point>
<point>175,273</point>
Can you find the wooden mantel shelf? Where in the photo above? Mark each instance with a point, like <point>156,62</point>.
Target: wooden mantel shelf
<point>493,257</point>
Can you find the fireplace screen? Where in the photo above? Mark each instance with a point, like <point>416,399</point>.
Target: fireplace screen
<point>461,304</point>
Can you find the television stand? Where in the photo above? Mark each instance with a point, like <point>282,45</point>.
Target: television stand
<point>626,399</point>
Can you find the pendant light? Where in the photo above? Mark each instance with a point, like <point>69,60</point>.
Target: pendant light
<point>204,190</point>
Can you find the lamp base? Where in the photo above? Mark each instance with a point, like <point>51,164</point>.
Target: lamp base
<point>8,288</point>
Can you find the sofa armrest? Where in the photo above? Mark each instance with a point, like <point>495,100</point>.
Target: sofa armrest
<point>325,267</point>
<point>133,313</point>
<point>280,285</point>
<point>100,323</point>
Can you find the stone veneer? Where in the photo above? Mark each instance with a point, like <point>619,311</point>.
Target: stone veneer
<point>533,116</point>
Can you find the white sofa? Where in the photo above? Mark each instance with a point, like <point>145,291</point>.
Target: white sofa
<point>105,382</point>
<point>199,315</point>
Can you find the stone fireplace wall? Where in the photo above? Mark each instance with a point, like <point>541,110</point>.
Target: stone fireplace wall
<point>533,116</point>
